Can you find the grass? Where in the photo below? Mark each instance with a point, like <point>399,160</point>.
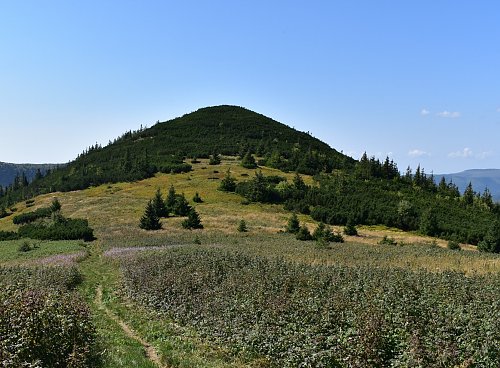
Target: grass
<point>9,252</point>
<point>114,212</point>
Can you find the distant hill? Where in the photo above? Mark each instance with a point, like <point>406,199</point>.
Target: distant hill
<point>480,179</point>
<point>9,171</point>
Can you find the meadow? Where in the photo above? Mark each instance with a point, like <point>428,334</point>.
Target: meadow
<point>264,282</point>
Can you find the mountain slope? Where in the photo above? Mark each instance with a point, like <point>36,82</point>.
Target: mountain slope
<point>9,171</point>
<point>227,130</point>
<point>480,179</point>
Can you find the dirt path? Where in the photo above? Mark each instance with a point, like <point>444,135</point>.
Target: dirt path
<point>150,351</point>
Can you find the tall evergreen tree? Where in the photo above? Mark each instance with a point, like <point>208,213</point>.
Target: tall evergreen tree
<point>170,200</point>
<point>293,225</point>
<point>248,161</point>
<point>228,183</point>
<point>159,205</point>
<point>150,220</point>
<point>468,196</point>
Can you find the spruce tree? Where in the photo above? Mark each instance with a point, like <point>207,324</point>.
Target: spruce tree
<point>242,226</point>
<point>55,206</point>
<point>197,198</point>
<point>193,220</point>
<point>303,233</point>
<point>319,232</point>
<point>170,200</point>
<point>248,161</point>
<point>181,205</point>
<point>159,205</point>
<point>214,159</point>
<point>293,225</point>
<point>150,220</point>
<point>228,183</point>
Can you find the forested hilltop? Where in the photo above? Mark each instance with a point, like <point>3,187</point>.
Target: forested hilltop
<point>211,131</point>
<point>368,191</point>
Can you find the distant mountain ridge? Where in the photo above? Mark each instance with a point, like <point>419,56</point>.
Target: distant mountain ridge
<point>8,171</point>
<point>480,179</point>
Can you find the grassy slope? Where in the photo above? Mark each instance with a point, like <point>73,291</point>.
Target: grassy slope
<point>114,212</point>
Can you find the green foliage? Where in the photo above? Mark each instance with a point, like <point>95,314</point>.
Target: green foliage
<point>388,241</point>
<point>8,235</point>
<point>214,159</point>
<point>171,199</point>
<point>327,316</point>
<point>62,229</point>
<point>150,219</point>
<point>303,234</point>
<point>3,212</point>
<point>491,242</point>
<point>28,217</point>
<point>25,246</point>
<point>242,226</point>
<point>429,223</point>
<point>181,205</point>
<point>293,225</point>
<point>248,161</point>
<point>197,198</point>
<point>158,204</point>
<point>55,206</point>
<point>42,324</point>
<point>350,229</point>
<point>453,245</point>
<point>193,220</point>
<point>228,183</point>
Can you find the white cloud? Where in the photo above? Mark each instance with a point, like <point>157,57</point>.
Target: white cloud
<point>449,114</point>
<point>424,112</point>
<point>417,153</point>
<point>466,152</point>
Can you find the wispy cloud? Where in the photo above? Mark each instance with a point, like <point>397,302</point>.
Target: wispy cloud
<point>449,114</point>
<point>424,112</point>
<point>417,153</point>
<point>468,153</point>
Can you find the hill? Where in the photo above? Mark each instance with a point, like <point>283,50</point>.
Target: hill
<point>480,179</point>
<point>8,171</point>
<point>226,130</point>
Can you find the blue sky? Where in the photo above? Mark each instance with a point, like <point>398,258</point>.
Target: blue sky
<point>416,80</point>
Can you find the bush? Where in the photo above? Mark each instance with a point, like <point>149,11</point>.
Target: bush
<point>388,241</point>
<point>350,229</point>
<point>303,234</point>
<point>454,245</point>
<point>228,183</point>
<point>197,198</point>
<point>28,217</point>
<point>8,235</point>
<point>65,229</point>
<point>242,226</point>
<point>24,247</point>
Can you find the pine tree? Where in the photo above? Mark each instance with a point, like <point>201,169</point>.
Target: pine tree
<point>350,228</point>
<point>293,225</point>
<point>228,183</point>
<point>181,205</point>
<point>197,198</point>
<point>242,226</point>
<point>319,232</point>
<point>303,233</point>
<point>55,205</point>
<point>170,200</point>
<point>468,196</point>
<point>428,223</point>
<point>150,220</point>
<point>159,205</point>
<point>214,159</point>
<point>248,161</point>
<point>193,220</point>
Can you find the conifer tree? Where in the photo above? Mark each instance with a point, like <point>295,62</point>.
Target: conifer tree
<point>170,200</point>
<point>319,232</point>
<point>193,220</point>
<point>181,205</point>
<point>150,220</point>
<point>159,205</point>
<point>293,225</point>
<point>228,183</point>
<point>242,226</point>
<point>303,233</point>
<point>55,205</point>
<point>468,196</point>
<point>197,198</point>
<point>248,161</point>
<point>214,159</point>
